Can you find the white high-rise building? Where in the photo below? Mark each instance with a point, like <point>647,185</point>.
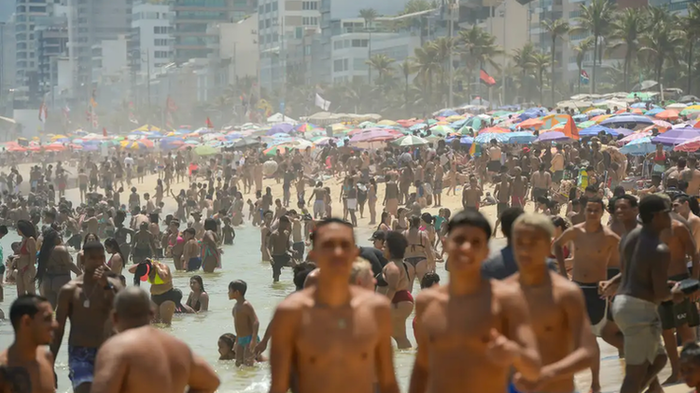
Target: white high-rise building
<point>152,37</point>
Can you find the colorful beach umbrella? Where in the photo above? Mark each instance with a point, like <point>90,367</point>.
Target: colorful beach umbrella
<point>493,130</point>
<point>690,146</point>
<point>552,136</point>
<point>140,144</point>
<point>409,140</point>
<point>639,147</point>
<point>205,150</point>
<point>668,114</point>
<point>677,136</point>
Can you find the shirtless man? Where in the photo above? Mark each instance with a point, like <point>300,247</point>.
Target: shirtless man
<point>471,196</point>
<point>691,174</point>
<point>541,181</point>
<point>681,205</point>
<point>87,301</point>
<point>502,193</point>
<point>557,308</point>
<point>681,317</point>
<point>471,331</point>
<point>26,366</point>
<point>518,188</point>
<point>642,286</point>
<point>337,337</point>
<point>278,244</point>
<point>595,248</point>
<point>319,197</point>
<point>145,359</point>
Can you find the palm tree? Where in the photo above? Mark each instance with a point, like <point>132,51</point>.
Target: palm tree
<point>625,30</point>
<point>382,63</point>
<point>479,48</point>
<point>522,59</point>
<point>406,67</point>
<point>555,28</point>
<point>369,15</point>
<point>539,62</point>
<point>426,67</point>
<point>595,18</point>
<point>581,49</point>
<point>691,29</point>
<point>443,50</point>
<point>661,40</point>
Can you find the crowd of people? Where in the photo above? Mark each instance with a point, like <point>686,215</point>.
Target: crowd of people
<point>525,318</point>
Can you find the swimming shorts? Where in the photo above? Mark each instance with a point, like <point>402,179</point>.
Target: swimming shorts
<point>640,324</point>
<point>278,262</point>
<point>244,341</point>
<point>194,264</point>
<point>173,295</point>
<point>81,363</point>
<point>674,315</point>
<point>595,306</point>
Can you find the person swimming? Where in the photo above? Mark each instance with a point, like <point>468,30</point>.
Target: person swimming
<point>227,348</point>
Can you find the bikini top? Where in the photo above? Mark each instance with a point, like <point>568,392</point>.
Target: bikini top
<point>381,282</point>
<point>23,250</point>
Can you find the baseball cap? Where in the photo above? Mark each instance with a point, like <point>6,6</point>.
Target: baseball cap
<point>378,235</point>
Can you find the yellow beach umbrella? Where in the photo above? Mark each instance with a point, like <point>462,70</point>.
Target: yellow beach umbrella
<point>388,123</point>
<point>146,128</point>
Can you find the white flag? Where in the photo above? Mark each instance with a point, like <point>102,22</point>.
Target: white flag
<point>321,103</point>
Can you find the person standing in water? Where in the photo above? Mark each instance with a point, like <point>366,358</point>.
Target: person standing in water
<point>54,267</point>
<point>211,258</point>
<point>141,358</point>
<point>472,331</point>
<point>87,301</point>
<point>312,329</point>
<point>246,323</point>
<point>26,259</point>
<point>557,308</point>
<point>26,365</point>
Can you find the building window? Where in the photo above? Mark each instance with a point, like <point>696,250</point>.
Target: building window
<point>160,30</point>
<point>160,42</point>
<point>360,43</point>
<point>268,7</point>
<point>309,5</point>
<point>274,6</point>
<point>161,54</point>
<point>338,65</point>
<point>310,21</point>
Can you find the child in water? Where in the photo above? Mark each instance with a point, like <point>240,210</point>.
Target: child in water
<point>228,231</point>
<point>227,348</point>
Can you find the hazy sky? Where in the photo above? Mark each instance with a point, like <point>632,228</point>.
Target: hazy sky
<point>7,7</point>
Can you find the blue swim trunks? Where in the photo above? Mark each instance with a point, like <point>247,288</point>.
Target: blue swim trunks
<point>81,362</point>
<point>244,341</point>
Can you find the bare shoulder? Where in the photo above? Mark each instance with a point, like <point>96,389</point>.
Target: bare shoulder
<point>367,298</point>
<point>610,234</point>
<point>3,358</point>
<point>296,302</point>
<point>71,285</point>
<point>431,295</point>
<point>45,353</point>
<point>568,290</point>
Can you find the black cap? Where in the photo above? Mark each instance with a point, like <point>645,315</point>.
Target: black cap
<point>378,235</point>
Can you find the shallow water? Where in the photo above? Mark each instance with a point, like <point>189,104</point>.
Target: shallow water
<point>242,261</point>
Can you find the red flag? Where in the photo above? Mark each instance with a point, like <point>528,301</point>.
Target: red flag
<point>209,123</point>
<point>104,131</point>
<point>570,128</point>
<point>486,78</point>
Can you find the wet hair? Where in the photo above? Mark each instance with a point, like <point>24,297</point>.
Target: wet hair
<point>87,235</point>
<point>189,231</point>
<point>396,243</point>
<point>328,221</point>
<point>470,218</point>
<point>47,246</point>
<point>96,247</point>
<point>24,305</point>
<point>198,278</point>
<point>114,245</point>
<point>690,353</point>
<point>596,200</point>
<point>210,224</point>
<point>651,205</point>
<point>300,272</point>
<point>538,221</point>
<point>429,279</point>
<point>508,217</point>
<point>229,339</point>
<point>27,228</point>
<point>238,286</point>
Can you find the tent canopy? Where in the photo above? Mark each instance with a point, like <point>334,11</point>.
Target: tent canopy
<point>280,118</point>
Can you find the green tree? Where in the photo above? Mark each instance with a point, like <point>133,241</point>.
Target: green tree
<point>555,28</point>
<point>595,19</point>
<point>661,40</point>
<point>691,28</point>
<point>625,30</point>
<point>443,50</point>
<point>406,69</point>
<point>426,67</point>
<point>581,49</point>
<point>478,48</point>
<point>523,60</point>
<point>382,63</point>
<point>539,62</point>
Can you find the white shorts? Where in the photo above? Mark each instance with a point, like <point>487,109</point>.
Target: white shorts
<point>351,204</point>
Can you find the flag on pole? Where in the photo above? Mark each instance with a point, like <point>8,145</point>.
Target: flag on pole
<point>209,123</point>
<point>486,78</point>
<point>475,150</point>
<point>43,112</point>
<point>584,77</point>
<point>321,103</point>
<point>104,131</point>
<point>93,101</point>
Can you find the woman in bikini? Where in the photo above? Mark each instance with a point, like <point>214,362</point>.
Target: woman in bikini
<point>198,300</point>
<point>419,253</point>
<point>372,201</point>
<point>89,237</point>
<point>211,258</point>
<point>385,224</point>
<point>54,266</point>
<point>400,224</point>
<point>26,260</point>
<point>395,281</point>
<point>116,260</point>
